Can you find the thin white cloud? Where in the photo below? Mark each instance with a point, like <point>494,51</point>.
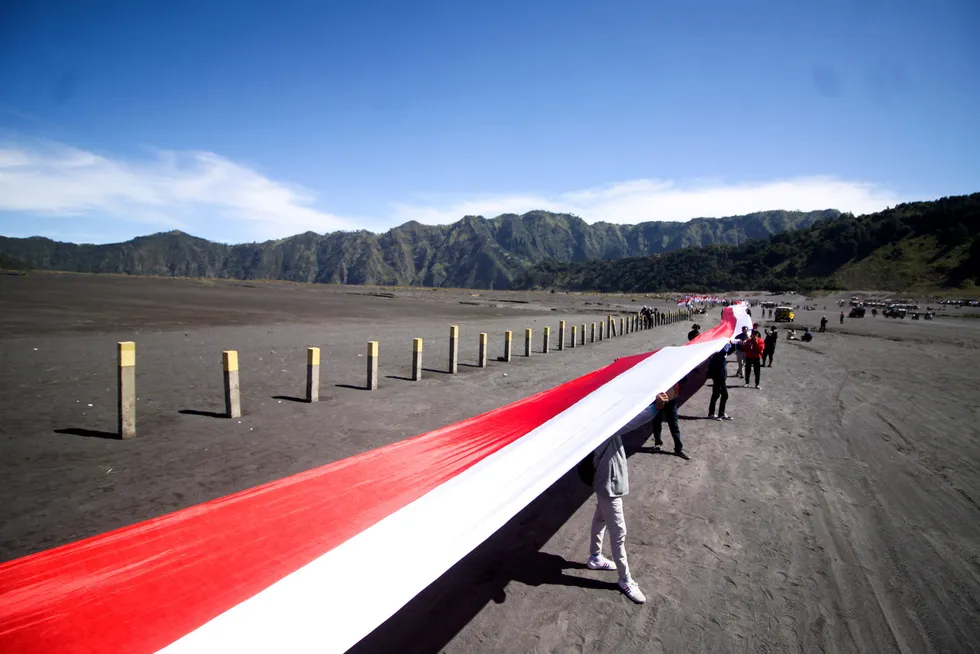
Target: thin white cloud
<point>206,194</point>
<point>173,190</point>
<point>641,200</point>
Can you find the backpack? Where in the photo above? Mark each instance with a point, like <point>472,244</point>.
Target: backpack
<point>586,469</point>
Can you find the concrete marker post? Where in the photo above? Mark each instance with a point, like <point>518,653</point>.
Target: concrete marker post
<point>527,341</point>
<point>601,325</point>
<point>572,344</point>
<point>312,374</point>
<point>453,349</point>
<point>482,361</point>
<point>416,359</point>
<point>233,400</point>
<point>561,335</point>
<point>508,337</point>
<point>372,365</point>
<point>547,340</point>
<point>127,389</point>
<point>582,337</point>
<point>622,326</point>
<point>592,334</point>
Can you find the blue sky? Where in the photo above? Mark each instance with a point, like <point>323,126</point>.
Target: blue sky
<point>253,120</point>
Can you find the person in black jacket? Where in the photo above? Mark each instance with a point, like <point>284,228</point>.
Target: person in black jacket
<point>771,338</point>
<point>694,333</point>
<point>718,373</point>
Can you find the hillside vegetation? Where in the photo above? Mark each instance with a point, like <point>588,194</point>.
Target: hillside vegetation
<point>474,252</point>
<point>917,245</point>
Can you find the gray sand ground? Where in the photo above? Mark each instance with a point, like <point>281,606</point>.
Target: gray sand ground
<point>838,512</point>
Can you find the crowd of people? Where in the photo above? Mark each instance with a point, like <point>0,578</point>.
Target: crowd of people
<point>753,351</point>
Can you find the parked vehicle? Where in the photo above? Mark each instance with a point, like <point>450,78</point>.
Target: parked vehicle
<point>857,312</point>
<point>785,314</point>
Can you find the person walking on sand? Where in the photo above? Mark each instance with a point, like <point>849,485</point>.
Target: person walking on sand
<point>754,347</point>
<point>611,485</point>
<point>823,324</point>
<point>771,337</point>
<point>666,405</point>
<point>739,351</point>
<point>842,317</point>
<point>718,374</point>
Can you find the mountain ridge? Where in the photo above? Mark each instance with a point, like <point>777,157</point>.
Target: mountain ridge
<point>473,252</point>
<point>916,245</point>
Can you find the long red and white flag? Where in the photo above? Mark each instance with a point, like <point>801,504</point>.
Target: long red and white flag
<point>317,560</point>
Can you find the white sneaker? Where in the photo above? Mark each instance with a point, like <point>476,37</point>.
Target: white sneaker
<point>712,416</point>
<point>599,562</point>
<point>632,591</point>
<point>724,416</point>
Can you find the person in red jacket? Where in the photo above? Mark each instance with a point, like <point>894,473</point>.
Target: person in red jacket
<point>754,347</point>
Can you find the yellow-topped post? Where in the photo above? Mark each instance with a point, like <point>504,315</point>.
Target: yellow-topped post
<point>417,359</point>
<point>482,362</point>
<point>581,338</point>
<point>508,339</point>
<point>372,365</point>
<point>546,344</point>
<point>561,335</point>
<point>127,389</point>
<point>233,400</point>
<point>312,374</point>
<point>572,344</point>
<point>592,334</point>
<point>527,341</point>
<point>453,349</point>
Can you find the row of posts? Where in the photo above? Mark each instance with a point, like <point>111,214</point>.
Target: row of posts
<point>233,404</point>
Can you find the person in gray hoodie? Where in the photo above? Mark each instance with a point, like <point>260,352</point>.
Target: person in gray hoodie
<point>611,484</point>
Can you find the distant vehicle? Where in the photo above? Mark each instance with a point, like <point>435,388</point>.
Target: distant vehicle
<point>785,314</point>
<point>893,312</point>
<point>857,312</point>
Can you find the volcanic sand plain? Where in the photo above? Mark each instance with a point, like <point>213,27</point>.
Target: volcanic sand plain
<point>837,511</point>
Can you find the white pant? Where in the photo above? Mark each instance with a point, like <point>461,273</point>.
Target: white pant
<point>740,357</point>
<point>609,512</point>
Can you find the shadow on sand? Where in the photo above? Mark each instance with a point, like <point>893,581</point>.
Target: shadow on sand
<point>206,414</point>
<point>88,433</point>
<point>431,620</point>
<point>352,386</point>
